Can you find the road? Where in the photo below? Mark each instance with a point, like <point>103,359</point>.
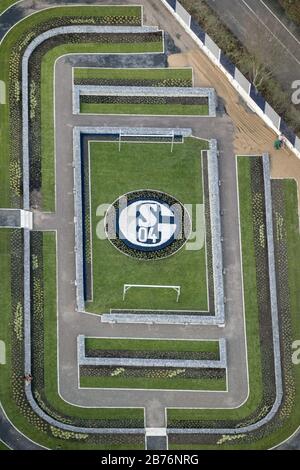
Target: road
<point>263,34</point>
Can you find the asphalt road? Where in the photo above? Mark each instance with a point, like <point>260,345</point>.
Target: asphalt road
<point>263,34</point>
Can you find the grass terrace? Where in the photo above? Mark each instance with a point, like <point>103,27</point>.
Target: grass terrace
<point>47,117</point>
<point>150,166</point>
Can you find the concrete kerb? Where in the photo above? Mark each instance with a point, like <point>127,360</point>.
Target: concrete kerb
<point>275,323</point>
<point>92,90</point>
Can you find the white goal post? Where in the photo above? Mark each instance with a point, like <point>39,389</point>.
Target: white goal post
<point>127,287</point>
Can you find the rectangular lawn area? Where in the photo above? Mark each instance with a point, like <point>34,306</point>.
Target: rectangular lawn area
<point>137,167</point>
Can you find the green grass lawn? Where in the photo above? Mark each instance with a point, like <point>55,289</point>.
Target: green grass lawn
<point>152,345</point>
<point>176,383</point>
<point>159,74</point>
<point>3,446</point>
<point>50,347</point>
<point>251,307</point>
<point>47,118</point>
<point>150,166</point>
<point>145,109</point>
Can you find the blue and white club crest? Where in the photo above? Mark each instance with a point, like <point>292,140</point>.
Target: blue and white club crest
<point>147,224</point>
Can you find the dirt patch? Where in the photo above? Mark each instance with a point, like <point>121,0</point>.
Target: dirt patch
<point>252,136</point>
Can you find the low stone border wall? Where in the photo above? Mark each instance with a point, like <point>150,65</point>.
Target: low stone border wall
<point>92,90</point>
<point>26,206</point>
<point>216,230</point>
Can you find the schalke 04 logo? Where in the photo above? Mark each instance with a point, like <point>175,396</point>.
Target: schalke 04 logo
<point>147,224</point>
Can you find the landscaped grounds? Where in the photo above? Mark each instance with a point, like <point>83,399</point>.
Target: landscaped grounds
<point>146,166</point>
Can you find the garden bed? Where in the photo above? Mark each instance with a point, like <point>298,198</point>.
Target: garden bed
<point>152,378</point>
<point>156,349</point>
